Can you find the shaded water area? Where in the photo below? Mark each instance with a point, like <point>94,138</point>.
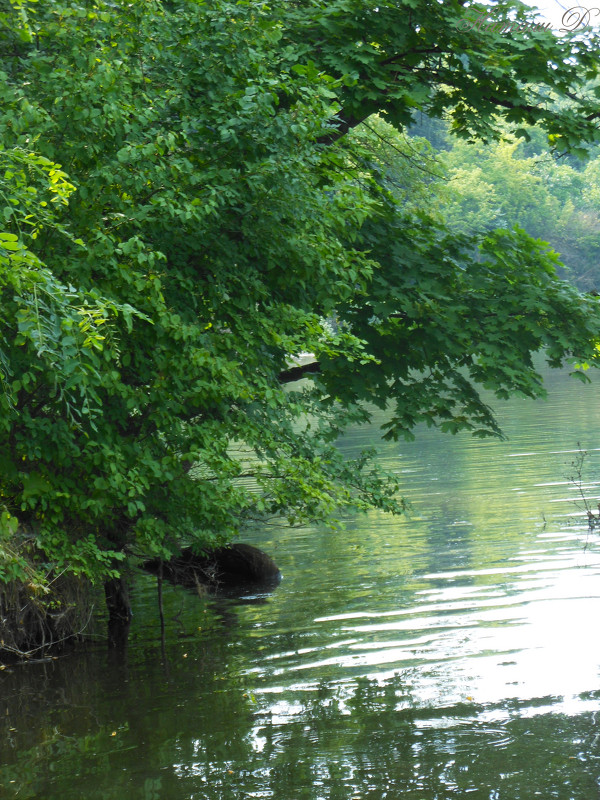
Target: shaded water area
<point>452,653</point>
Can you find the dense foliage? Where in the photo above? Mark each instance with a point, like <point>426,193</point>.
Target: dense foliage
<point>189,203</point>
<point>514,182</point>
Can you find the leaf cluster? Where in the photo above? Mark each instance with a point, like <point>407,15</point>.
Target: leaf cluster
<point>185,219</point>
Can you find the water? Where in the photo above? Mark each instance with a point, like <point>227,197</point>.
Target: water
<point>452,653</point>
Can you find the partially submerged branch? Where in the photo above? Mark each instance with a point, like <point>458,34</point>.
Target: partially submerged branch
<point>576,479</point>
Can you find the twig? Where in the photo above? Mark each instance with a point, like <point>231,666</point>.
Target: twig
<point>577,480</point>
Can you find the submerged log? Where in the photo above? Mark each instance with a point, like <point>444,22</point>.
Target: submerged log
<point>233,565</point>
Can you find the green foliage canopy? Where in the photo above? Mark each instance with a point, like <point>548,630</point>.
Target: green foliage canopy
<point>485,187</point>
<point>182,207</point>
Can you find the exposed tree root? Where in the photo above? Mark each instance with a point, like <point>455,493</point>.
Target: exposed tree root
<point>40,610</point>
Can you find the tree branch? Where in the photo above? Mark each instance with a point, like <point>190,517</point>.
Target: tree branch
<point>297,373</point>
<point>341,124</point>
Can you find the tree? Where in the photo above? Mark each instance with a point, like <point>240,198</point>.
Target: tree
<point>482,187</point>
<point>217,213</point>
<point>495,188</point>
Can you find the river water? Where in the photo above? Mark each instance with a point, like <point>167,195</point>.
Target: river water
<point>451,653</point>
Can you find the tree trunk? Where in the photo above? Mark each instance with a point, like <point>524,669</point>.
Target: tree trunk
<point>119,611</point>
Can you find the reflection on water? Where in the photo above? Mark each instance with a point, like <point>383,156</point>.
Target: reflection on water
<point>447,654</point>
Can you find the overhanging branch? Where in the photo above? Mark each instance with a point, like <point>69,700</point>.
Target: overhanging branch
<point>297,373</point>
<point>341,124</point>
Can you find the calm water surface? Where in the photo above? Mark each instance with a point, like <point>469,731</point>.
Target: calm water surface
<point>452,653</point>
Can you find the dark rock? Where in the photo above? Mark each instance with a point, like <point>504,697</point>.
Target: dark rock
<point>236,564</point>
<point>247,562</point>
